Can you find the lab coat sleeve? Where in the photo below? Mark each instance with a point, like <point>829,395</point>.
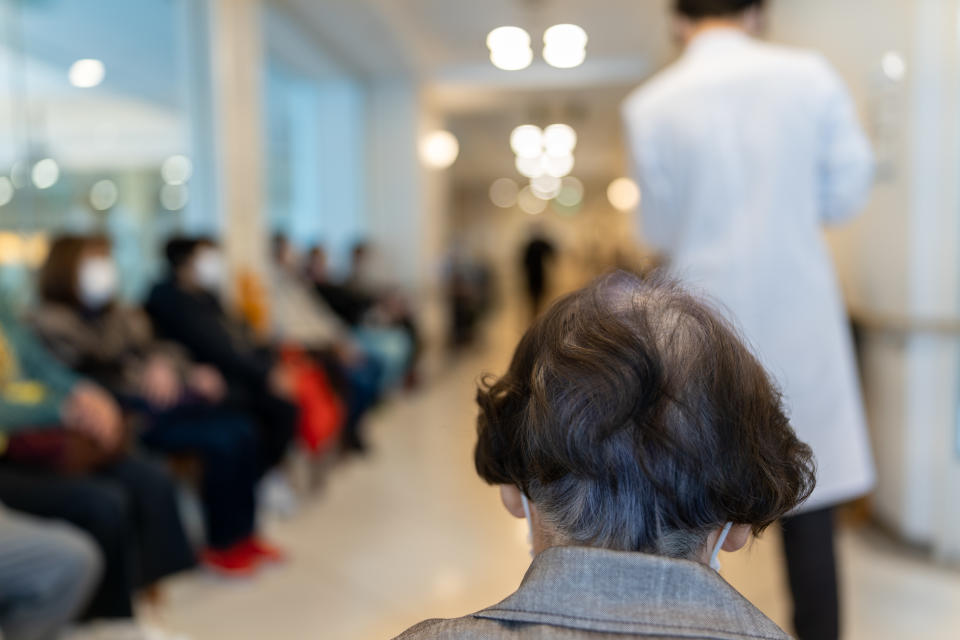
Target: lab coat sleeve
<point>658,228</point>
<point>846,165</point>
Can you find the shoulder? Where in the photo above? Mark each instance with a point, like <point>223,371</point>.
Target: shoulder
<point>655,93</point>
<point>806,65</point>
<point>54,318</point>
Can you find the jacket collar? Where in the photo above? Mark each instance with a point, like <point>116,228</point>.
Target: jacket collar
<point>716,40</point>
<point>623,592</point>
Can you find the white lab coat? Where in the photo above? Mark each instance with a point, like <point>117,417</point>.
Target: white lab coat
<point>743,151</point>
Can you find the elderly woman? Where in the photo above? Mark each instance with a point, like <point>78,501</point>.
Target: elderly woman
<point>638,437</point>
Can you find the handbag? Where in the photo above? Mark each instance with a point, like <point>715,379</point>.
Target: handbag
<point>60,451</point>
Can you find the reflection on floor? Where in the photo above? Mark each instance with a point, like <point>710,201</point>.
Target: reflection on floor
<point>410,533</point>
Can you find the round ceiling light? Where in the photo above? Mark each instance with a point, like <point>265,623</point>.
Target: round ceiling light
<point>504,192</point>
<point>439,149</point>
<point>623,194</point>
<point>510,48</point>
<point>86,73</point>
<point>565,46</point>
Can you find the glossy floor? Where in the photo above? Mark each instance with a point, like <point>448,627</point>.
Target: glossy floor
<point>410,533</point>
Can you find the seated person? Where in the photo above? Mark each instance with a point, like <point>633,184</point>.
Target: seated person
<point>302,320</point>
<point>48,571</point>
<point>307,318</point>
<point>179,403</point>
<point>638,437</point>
<point>364,305</point>
<point>185,308</point>
<point>61,457</point>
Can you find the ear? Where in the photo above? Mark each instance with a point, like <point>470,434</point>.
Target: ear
<point>755,21</point>
<point>737,538</point>
<point>512,500</point>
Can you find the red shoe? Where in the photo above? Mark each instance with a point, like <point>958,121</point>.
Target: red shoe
<point>236,561</point>
<point>262,550</point>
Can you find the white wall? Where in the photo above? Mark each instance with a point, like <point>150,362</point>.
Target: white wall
<point>900,257</point>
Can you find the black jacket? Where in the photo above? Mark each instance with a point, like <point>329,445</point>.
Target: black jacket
<point>199,323</point>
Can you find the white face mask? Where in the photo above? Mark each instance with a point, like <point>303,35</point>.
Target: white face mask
<point>715,556</point>
<point>208,269</point>
<point>97,282</point>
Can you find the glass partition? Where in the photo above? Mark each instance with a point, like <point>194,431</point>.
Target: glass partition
<point>94,130</point>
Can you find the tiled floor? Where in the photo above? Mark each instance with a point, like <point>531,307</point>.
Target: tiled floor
<point>410,533</point>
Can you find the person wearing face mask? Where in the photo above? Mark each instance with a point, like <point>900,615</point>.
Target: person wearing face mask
<point>638,437</point>
<point>185,308</point>
<point>179,403</point>
<point>62,457</point>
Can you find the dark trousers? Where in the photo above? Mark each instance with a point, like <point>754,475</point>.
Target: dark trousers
<point>226,444</point>
<point>129,508</point>
<point>275,420</point>
<point>812,571</point>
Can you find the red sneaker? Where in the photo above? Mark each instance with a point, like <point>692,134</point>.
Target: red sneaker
<point>236,561</point>
<point>262,550</point>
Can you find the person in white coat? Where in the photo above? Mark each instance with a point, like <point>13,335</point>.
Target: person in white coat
<point>743,151</point>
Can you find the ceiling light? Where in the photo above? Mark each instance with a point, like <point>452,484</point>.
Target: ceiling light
<point>559,139</point>
<point>623,194</point>
<point>565,46</point>
<point>510,48</point>
<point>546,187</point>
<point>558,166</point>
<point>530,203</point>
<point>508,38</point>
<point>527,141</point>
<point>6,190</point>
<point>45,173</point>
<point>439,149</point>
<point>894,66</point>
<point>20,174</point>
<point>86,73</point>
<point>174,197</point>
<point>103,195</point>
<point>504,192</point>
<point>530,167</point>
<point>511,59</point>
<point>176,169</point>
<point>571,193</point>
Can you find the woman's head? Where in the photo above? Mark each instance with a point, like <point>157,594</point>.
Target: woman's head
<point>79,272</point>
<point>195,262</point>
<point>634,419</point>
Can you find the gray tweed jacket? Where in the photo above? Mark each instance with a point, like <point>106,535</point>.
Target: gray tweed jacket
<point>577,593</point>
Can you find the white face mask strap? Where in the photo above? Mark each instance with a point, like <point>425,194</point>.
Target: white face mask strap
<point>714,558</point>
<point>526,512</point>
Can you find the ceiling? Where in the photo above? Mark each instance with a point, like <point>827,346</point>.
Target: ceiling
<point>442,44</point>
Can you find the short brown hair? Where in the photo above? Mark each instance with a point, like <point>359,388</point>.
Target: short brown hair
<point>635,419</point>
<point>60,272</point>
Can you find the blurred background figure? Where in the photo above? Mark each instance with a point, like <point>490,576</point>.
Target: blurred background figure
<point>49,571</point>
<point>185,309</point>
<point>178,404</point>
<point>65,458</point>
<point>538,260</point>
<point>743,150</point>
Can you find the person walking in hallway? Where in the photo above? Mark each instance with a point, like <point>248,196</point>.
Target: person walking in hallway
<point>743,151</point>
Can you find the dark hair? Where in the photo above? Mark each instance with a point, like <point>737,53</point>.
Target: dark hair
<point>635,419</point>
<point>60,272</point>
<point>699,9</point>
<point>181,249</point>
